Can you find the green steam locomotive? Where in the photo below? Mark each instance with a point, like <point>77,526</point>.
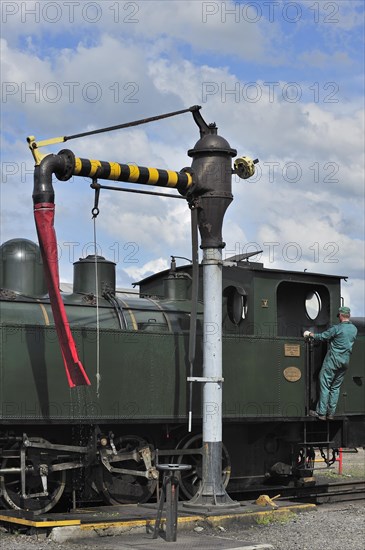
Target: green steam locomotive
<point>105,439</point>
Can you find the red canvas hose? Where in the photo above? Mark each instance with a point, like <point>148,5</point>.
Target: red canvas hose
<point>44,218</point>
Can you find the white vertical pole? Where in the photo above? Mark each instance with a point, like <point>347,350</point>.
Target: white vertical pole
<point>212,345</point>
<point>212,492</point>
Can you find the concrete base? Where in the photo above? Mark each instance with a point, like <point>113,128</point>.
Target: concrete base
<point>134,519</point>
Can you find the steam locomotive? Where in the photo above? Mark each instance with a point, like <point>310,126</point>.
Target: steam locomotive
<point>105,440</point>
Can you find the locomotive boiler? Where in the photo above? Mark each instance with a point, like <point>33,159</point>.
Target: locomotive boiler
<point>133,361</point>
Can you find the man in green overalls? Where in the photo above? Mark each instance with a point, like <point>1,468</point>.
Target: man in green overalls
<point>341,338</point>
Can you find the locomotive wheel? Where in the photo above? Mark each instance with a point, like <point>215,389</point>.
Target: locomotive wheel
<point>190,480</point>
<point>10,484</point>
<point>123,488</point>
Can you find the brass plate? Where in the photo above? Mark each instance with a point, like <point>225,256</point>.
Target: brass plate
<point>292,350</point>
<point>292,374</point>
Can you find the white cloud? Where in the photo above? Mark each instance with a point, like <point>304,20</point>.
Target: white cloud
<point>154,224</point>
<point>299,231</point>
<point>320,59</point>
<point>353,293</point>
<point>149,268</point>
<point>170,23</point>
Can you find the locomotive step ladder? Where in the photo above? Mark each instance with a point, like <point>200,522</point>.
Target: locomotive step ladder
<point>317,435</point>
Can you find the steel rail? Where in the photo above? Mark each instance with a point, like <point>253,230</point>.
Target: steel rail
<point>320,493</point>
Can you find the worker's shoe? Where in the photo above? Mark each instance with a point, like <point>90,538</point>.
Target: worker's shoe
<point>330,417</point>
<point>316,415</point>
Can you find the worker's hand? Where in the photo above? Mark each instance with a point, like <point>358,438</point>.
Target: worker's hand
<point>307,334</point>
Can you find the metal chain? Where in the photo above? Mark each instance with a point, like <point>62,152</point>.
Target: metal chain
<point>98,376</point>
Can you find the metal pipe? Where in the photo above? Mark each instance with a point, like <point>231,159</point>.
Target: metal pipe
<point>43,191</point>
<point>212,362</point>
<point>132,173</point>
<point>212,193</point>
<point>124,190</point>
<point>212,368</point>
<point>212,491</point>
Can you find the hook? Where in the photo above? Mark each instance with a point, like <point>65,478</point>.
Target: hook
<point>95,185</point>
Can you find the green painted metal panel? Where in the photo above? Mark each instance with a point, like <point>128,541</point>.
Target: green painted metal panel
<point>255,385</point>
<point>352,394</point>
<point>142,376</point>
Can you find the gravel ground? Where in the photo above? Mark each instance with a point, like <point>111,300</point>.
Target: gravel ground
<point>336,527</point>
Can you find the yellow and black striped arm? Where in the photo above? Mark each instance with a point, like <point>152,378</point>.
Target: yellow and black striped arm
<point>132,173</point>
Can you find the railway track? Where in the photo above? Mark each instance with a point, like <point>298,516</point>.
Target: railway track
<point>317,494</point>
<point>334,492</point>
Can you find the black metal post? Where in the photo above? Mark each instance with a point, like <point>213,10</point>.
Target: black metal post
<point>170,493</point>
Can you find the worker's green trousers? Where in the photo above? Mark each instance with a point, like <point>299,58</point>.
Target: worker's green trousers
<point>330,380</point>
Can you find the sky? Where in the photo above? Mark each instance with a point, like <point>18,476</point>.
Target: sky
<point>284,82</point>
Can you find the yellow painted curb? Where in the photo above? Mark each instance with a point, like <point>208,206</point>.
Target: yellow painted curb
<point>34,523</point>
<point>185,520</point>
<point>130,524</point>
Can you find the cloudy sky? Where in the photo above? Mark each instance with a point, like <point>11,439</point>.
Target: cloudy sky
<point>282,80</point>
